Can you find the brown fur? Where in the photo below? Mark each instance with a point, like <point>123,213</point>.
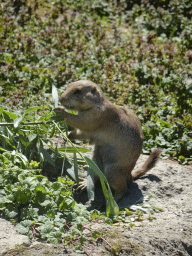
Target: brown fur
<point>115,131</point>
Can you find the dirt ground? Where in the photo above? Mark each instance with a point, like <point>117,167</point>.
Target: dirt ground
<point>169,234</point>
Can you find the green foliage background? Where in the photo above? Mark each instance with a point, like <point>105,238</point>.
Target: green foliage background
<point>139,52</point>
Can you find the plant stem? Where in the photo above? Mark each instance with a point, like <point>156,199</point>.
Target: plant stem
<point>27,123</point>
<point>69,141</point>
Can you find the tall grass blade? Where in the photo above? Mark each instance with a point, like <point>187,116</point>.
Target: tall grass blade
<point>76,167</point>
<point>55,97</point>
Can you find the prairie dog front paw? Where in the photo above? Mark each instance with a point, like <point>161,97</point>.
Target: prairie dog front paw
<point>60,111</point>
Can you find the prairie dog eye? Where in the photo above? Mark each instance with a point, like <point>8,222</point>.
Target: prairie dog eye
<point>93,90</point>
<point>77,91</point>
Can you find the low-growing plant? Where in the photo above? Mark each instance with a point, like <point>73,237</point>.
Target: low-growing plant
<point>139,52</point>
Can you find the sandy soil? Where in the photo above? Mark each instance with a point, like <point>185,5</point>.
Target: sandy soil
<point>169,234</point>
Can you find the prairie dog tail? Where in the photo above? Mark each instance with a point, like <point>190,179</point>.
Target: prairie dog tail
<point>150,163</point>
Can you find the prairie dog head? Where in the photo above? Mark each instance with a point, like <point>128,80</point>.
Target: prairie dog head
<point>82,95</point>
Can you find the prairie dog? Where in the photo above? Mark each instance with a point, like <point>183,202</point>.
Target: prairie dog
<point>114,130</point>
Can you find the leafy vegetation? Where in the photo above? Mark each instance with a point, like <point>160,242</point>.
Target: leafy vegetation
<point>139,52</point>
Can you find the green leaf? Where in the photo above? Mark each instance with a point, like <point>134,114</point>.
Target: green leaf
<point>2,149</point>
<point>42,179</point>
<point>22,196</point>
<point>41,189</point>
<point>95,214</point>
<point>44,128</point>
<point>2,205</point>
<point>112,208</point>
<point>75,167</point>
<point>22,157</point>
<point>82,240</point>
<point>4,159</point>
<point>51,214</point>
<point>95,168</point>
<point>128,212</point>
<point>54,237</point>
<point>40,195</point>
<point>55,97</point>
<point>71,149</point>
<point>91,185</point>
<point>32,109</point>
<point>11,115</point>
<point>26,223</point>
<point>10,212</point>
<point>52,132</point>
<point>17,121</point>
<point>32,145</point>
<point>21,229</point>
<point>157,208</point>
<point>29,213</point>
<point>67,203</point>
<point>47,228</point>
<point>71,173</point>
<point>96,234</point>
<point>1,110</point>
<point>46,156</point>
<point>34,164</point>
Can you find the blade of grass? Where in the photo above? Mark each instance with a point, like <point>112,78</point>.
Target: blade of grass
<point>76,167</point>
<point>32,109</point>
<point>55,97</point>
